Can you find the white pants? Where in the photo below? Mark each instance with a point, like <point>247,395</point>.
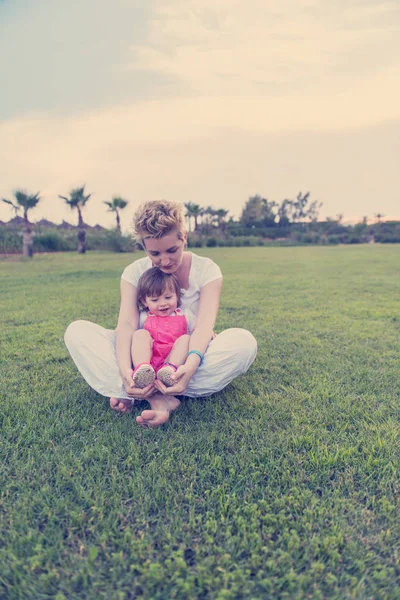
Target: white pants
<point>93,350</point>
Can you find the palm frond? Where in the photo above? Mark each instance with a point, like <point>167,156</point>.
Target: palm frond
<point>76,197</point>
<point>119,202</point>
<point>26,200</point>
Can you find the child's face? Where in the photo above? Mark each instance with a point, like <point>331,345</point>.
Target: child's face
<point>164,305</point>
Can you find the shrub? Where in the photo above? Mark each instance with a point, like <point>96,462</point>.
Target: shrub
<point>195,241</point>
<point>110,240</point>
<point>51,242</point>
<point>390,238</point>
<point>119,243</point>
<point>297,236</point>
<point>311,238</point>
<point>228,242</point>
<point>333,239</point>
<point>211,242</point>
<point>10,241</point>
<point>353,238</point>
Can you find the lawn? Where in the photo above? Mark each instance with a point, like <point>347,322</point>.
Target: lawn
<point>284,485</point>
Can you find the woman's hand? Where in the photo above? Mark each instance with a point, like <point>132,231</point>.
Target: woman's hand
<point>139,393</point>
<point>182,376</point>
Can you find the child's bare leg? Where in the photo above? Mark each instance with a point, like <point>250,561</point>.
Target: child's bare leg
<point>179,351</point>
<point>141,350</point>
<point>177,357</point>
<point>141,347</point>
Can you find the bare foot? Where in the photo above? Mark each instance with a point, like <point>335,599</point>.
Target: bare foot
<point>121,405</point>
<point>161,407</point>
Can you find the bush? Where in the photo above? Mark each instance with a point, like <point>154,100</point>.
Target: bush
<point>333,239</point>
<point>353,238</point>
<point>51,242</point>
<point>119,243</point>
<point>110,240</point>
<point>10,241</point>
<point>211,242</point>
<point>311,238</point>
<point>195,241</point>
<point>389,239</point>
<point>387,232</point>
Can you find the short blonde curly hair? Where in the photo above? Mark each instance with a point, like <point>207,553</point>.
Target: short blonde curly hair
<point>157,218</point>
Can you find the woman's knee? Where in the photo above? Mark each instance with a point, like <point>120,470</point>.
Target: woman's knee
<point>239,342</point>
<point>74,331</point>
<point>250,342</point>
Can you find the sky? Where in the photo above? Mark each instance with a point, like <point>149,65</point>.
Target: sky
<point>204,101</point>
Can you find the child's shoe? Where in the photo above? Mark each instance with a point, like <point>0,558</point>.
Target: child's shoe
<point>143,375</point>
<point>164,374</point>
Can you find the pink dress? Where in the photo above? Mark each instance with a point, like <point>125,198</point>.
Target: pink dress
<point>164,331</point>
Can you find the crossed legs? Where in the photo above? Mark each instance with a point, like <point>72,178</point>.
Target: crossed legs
<point>92,348</point>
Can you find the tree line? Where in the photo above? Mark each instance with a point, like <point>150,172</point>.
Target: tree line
<point>77,199</point>
<point>260,220</point>
<point>257,211</point>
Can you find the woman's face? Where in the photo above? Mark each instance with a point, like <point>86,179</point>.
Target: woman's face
<point>166,253</point>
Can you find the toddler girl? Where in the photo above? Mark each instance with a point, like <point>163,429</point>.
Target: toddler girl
<point>161,344</point>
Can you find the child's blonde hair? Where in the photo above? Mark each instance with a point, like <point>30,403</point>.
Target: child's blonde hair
<point>154,282</point>
<point>158,218</point>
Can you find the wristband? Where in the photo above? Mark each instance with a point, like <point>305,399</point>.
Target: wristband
<point>199,354</point>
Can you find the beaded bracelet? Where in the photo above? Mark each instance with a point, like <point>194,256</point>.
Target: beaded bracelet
<point>199,354</point>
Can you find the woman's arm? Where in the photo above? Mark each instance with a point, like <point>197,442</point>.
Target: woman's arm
<point>200,338</point>
<point>127,323</point>
<point>128,320</point>
<point>205,320</point>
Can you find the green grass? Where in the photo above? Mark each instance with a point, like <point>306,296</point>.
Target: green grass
<point>284,485</point>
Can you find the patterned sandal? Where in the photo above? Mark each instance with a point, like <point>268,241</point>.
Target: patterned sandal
<point>143,375</point>
<point>164,374</point>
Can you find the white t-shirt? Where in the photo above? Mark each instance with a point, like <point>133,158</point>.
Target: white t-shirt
<point>190,318</point>
<point>203,270</point>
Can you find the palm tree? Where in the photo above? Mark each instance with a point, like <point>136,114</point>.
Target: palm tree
<point>15,207</point>
<point>116,205</point>
<point>195,211</point>
<point>77,199</point>
<point>221,213</point>
<point>209,215</point>
<point>189,214</point>
<point>25,202</point>
<point>379,216</point>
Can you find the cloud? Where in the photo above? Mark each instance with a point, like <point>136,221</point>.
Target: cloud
<point>265,48</point>
<point>240,73</point>
<point>349,170</point>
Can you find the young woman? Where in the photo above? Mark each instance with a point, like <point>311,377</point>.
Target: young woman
<point>104,357</point>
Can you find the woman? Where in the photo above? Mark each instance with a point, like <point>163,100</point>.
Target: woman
<point>104,357</point>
